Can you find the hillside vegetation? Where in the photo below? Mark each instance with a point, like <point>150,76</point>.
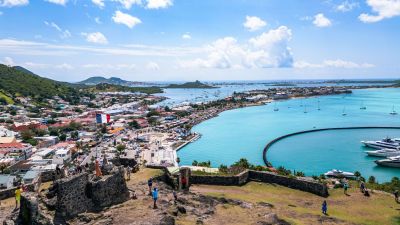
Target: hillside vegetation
<point>17,81</point>
<point>196,84</point>
<point>114,88</point>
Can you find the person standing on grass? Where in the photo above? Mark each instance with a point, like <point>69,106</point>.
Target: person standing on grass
<point>362,187</point>
<point>396,195</point>
<point>18,197</point>
<point>345,187</point>
<point>155,197</point>
<point>150,184</point>
<point>324,207</point>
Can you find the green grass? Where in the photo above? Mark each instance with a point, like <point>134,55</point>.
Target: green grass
<point>5,97</point>
<point>305,208</point>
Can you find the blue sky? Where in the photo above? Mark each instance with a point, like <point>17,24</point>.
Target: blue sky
<point>71,40</point>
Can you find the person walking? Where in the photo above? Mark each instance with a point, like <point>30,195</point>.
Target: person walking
<point>362,187</point>
<point>324,207</point>
<point>175,197</point>
<point>150,184</point>
<point>345,187</point>
<point>18,197</point>
<point>396,195</point>
<point>155,197</point>
<point>128,172</point>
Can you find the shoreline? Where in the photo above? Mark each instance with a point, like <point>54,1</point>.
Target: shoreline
<point>215,114</point>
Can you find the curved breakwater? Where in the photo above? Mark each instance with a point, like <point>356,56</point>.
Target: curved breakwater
<point>268,146</point>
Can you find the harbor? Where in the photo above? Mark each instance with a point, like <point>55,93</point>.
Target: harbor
<point>243,133</point>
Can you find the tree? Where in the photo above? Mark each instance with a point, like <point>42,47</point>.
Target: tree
<point>74,135</point>
<point>120,148</point>
<point>63,137</point>
<point>27,134</point>
<point>167,109</point>
<point>134,124</point>
<point>195,163</point>
<point>371,180</point>
<point>243,163</point>
<point>223,168</point>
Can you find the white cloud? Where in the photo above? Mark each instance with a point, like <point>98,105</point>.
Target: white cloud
<point>126,19</point>
<point>337,63</point>
<point>129,3</point>
<point>321,21</point>
<point>99,3</point>
<point>63,33</point>
<point>347,6</point>
<point>20,47</point>
<point>254,23</point>
<point>58,2</point>
<point>12,3</point>
<point>64,66</point>
<point>383,9</point>
<point>152,66</point>
<point>97,20</point>
<point>186,36</point>
<point>270,49</point>
<point>157,4</point>
<point>95,37</point>
<point>8,61</point>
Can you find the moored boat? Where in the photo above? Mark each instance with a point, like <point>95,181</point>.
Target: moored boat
<point>339,174</point>
<point>384,152</point>
<point>389,162</point>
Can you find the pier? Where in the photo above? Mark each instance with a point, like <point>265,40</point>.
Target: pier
<point>268,146</point>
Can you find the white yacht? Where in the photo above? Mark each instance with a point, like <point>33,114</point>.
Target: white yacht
<point>389,162</point>
<point>387,152</point>
<point>384,143</point>
<point>339,174</point>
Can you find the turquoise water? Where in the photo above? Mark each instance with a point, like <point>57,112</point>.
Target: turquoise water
<point>243,133</point>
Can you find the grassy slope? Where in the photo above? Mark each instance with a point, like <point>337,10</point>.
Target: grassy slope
<point>304,208</point>
<point>8,99</point>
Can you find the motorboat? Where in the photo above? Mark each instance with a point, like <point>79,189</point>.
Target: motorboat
<point>389,162</point>
<point>387,152</point>
<point>339,174</point>
<point>384,143</point>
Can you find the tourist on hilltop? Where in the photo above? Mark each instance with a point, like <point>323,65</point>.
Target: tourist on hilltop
<point>324,207</point>
<point>128,172</point>
<point>150,184</point>
<point>362,187</point>
<point>18,192</point>
<point>175,197</point>
<point>396,195</point>
<point>184,182</point>
<point>345,187</point>
<point>155,197</point>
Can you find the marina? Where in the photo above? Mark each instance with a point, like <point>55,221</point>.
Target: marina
<point>243,133</point>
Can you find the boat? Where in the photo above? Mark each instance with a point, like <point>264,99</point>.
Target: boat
<point>384,143</point>
<point>363,107</point>
<point>393,112</point>
<point>339,174</point>
<point>389,162</point>
<point>344,111</point>
<point>318,106</point>
<point>387,152</point>
<point>275,108</point>
<point>305,108</point>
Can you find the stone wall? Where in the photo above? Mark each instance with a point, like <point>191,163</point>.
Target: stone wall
<point>73,195</point>
<point>302,185</point>
<point>265,177</point>
<point>110,190</point>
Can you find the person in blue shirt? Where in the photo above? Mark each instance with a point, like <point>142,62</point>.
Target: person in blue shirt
<point>324,207</point>
<point>155,197</point>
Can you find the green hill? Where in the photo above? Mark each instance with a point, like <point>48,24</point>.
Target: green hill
<point>103,87</point>
<point>112,80</point>
<point>18,81</point>
<point>196,84</point>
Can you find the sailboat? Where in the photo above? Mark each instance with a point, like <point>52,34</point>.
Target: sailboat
<point>275,108</point>
<point>318,106</point>
<point>393,112</point>
<point>344,111</point>
<point>363,106</point>
<point>301,103</point>
<point>305,108</point>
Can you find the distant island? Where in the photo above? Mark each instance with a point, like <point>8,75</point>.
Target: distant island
<point>112,80</point>
<point>121,88</point>
<point>196,84</point>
